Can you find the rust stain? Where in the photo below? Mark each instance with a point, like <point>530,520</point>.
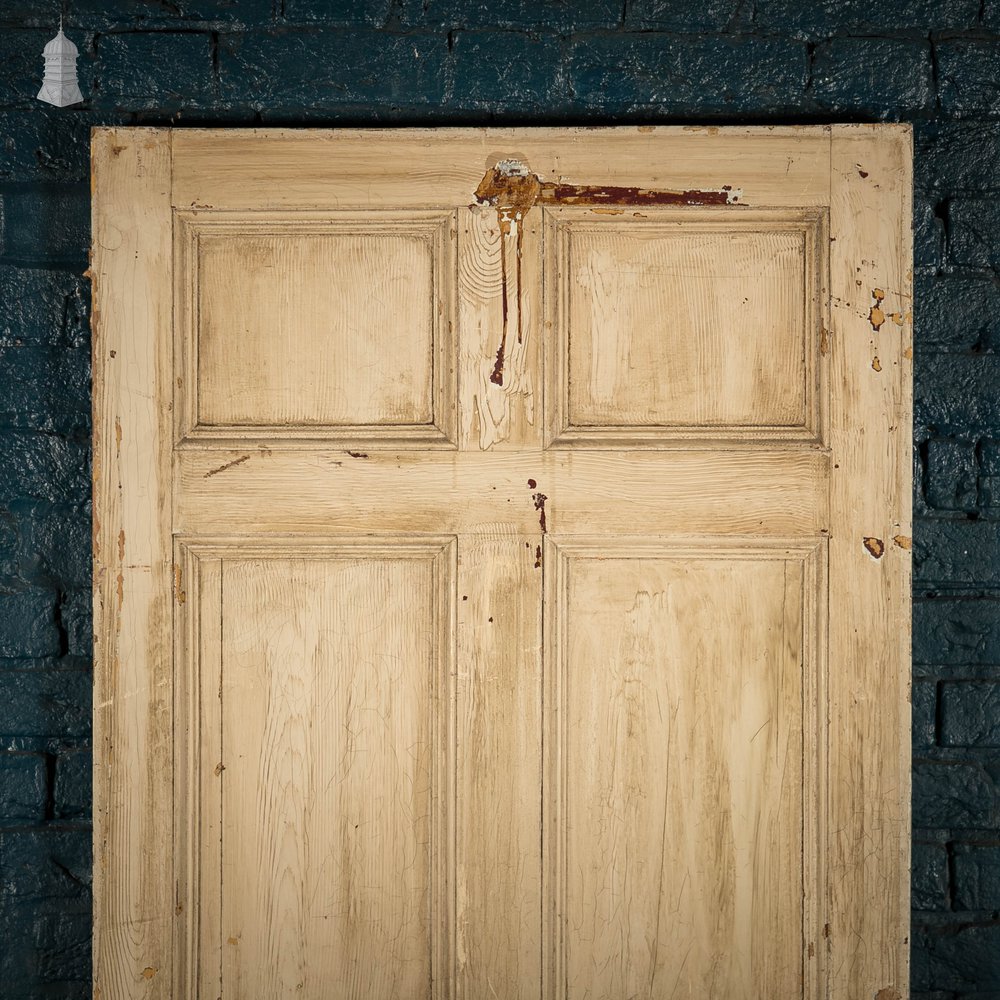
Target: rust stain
<point>876,364</point>
<point>228,465</point>
<point>812,950</point>
<point>903,541</point>
<point>233,940</point>
<point>513,190</point>
<point>179,593</point>
<point>538,557</point>
<point>861,173</point>
<point>608,211</point>
<point>149,972</point>
<point>219,768</point>
<point>113,354</point>
<point>532,484</point>
<point>540,499</point>
<point>826,931</point>
<point>908,352</point>
<point>875,546</point>
<point>118,436</point>
<point>875,315</point>
<point>824,341</point>
<point>179,909</point>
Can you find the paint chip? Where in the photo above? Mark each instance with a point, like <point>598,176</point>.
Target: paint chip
<point>875,546</point>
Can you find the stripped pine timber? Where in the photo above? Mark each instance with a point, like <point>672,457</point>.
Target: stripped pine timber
<point>502,563</point>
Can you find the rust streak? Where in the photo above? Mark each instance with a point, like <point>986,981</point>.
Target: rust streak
<point>513,190</point>
<point>228,465</point>
<point>540,499</point>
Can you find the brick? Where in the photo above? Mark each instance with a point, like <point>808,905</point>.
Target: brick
<point>882,77</point>
<point>957,632</point>
<point>503,70</point>
<point>45,863</point>
<point>968,82</point>
<point>45,222</point>
<point>957,554</point>
<point>24,787</point>
<point>45,143</point>
<point>54,546</point>
<point>951,474</point>
<point>77,621</point>
<point>45,703</point>
<point>671,74</point>
<point>928,235</point>
<point>74,785</point>
<point>374,13</point>
<point>960,957</point>
<point>953,794</point>
<point>168,71</point>
<point>28,624</point>
<point>683,16</point>
<point>559,15</point>
<point>957,395</point>
<point>43,307</point>
<point>61,944</point>
<point>973,239</point>
<point>977,876</point>
<point>42,467</point>
<point>302,70</point>
<point>45,389</point>
<point>951,157</point>
<point>924,714</point>
<point>109,15</point>
<point>970,714</point>
<point>929,877</point>
<point>956,313</point>
<point>830,17</point>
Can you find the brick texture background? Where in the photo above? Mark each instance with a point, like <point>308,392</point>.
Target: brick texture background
<point>935,63</point>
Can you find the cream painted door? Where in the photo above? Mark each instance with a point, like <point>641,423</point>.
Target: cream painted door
<point>502,563</point>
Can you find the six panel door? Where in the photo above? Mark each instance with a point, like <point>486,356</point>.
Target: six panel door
<point>502,563</point>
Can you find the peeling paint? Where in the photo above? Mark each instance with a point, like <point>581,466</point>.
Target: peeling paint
<point>179,594</point>
<point>149,972</point>
<point>875,315</point>
<point>875,546</point>
<point>888,993</point>
<point>876,364</point>
<point>219,768</point>
<point>903,541</point>
<point>538,557</point>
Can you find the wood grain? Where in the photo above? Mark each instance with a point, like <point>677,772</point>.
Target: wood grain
<point>536,625</point>
<point>133,895</point>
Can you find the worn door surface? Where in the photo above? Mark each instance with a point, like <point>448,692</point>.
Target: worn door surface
<point>502,547</point>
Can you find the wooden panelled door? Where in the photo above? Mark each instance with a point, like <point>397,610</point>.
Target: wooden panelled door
<point>502,563</point>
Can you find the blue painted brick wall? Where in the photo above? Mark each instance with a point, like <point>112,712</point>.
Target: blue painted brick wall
<point>933,62</point>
